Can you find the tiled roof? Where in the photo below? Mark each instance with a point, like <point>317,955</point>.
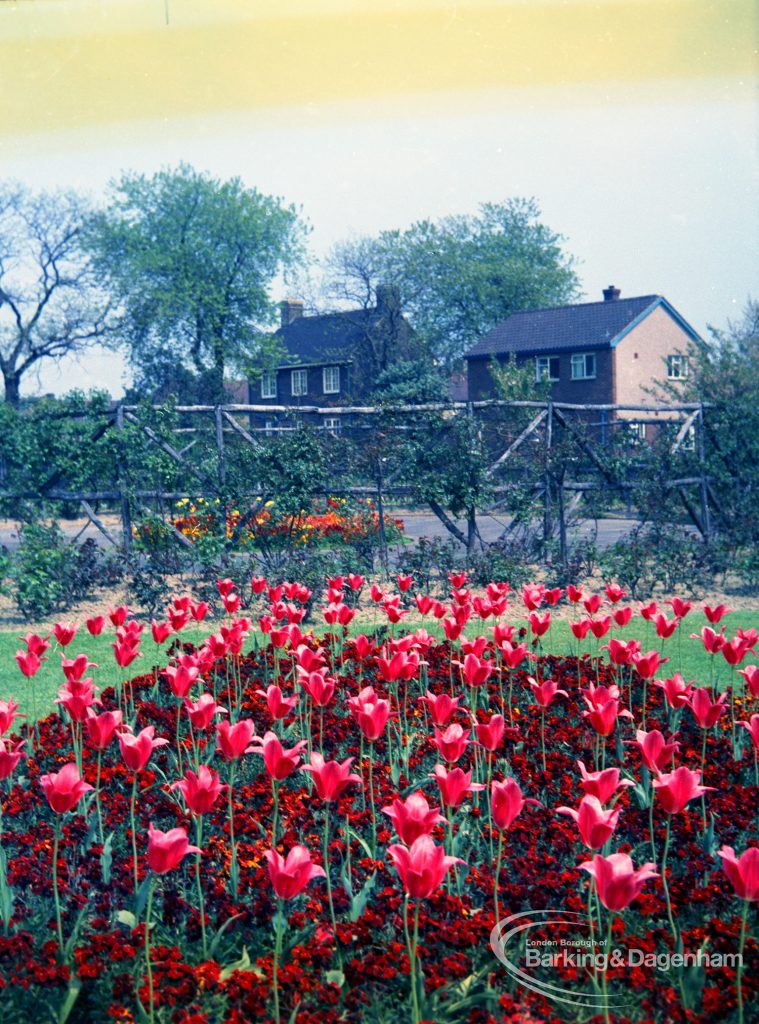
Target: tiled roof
<point>588,325</point>
<point>327,337</point>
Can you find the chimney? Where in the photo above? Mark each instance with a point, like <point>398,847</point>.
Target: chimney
<point>290,310</point>
<point>611,293</point>
<point>388,298</point>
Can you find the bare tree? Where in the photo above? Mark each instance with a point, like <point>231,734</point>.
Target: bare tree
<point>50,301</point>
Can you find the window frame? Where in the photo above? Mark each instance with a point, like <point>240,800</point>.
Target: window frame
<point>335,371</point>
<point>679,360</point>
<point>302,374</point>
<point>585,356</point>
<point>269,377</point>
<point>541,377</point>
<point>332,424</point>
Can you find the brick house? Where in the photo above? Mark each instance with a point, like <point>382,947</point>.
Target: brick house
<point>331,359</point>
<point>600,353</point>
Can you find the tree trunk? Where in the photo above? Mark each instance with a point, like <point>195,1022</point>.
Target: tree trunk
<point>12,383</point>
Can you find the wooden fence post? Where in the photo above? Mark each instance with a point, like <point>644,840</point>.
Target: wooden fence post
<point>706,518</point>
<point>126,516</point>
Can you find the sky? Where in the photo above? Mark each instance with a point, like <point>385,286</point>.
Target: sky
<point>633,123</point>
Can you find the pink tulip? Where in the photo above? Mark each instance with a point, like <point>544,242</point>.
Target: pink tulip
<point>454,785</point>
<point>101,728</point>
<point>603,708</point>
<point>8,715</point>
<point>545,692</point>
<point>161,631</point>
<point>200,791</point>
<point>647,664</point>
<point>751,674</point>
<point>118,615</point>
<point>440,707</point>
<point>580,629</point>
<point>713,642</point>
<point>320,688</point>
<point>64,632</point>
<point>512,655</point>
<point>234,740</point>
<point>29,663</point>
<point>278,705</point>
<point>290,877</point>
<point>654,749</point>
<point>665,627</point>
<point>476,671</point>
<point>677,788</point>
<point>74,668</point>
<point>742,871</point>
<point>752,725</point>
<point>602,784</point>
<point>705,711</point>
<point>371,713</point>
<point>622,616</point>
<point>125,652</point>
<point>676,691</point>
<point>615,593</point>
<point>596,826</point>
<point>10,754</point>
<point>136,750</point>
<point>452,743</point>
<point>532,595</point>
<point>735,650</point>
<point>202,711</point>
<point>64,789</point>
<point>507,803</point>
<point>95,625</point>
<point>617,881</point>
<point>413,817</point>
<point>330,777</point>
<point>592,603</point>
<point>600,627</point>
<point>181,678</point>
<point>167,850</point>
<point>539,624</point>
<point>279,762</point>
<point>399,666</point>
<point>714,614</point>
<point>77,697</point>
<point>490,734</point>
<point>423,867</point>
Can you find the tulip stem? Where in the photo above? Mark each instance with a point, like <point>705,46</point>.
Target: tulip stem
<point>497,877</point>
<point>278,929</point>
<point>739,972</point>
<point>201,902</point>
<point>604,987</point>
<point>275,816</point>
<point>326,871</point>
<point>148,965</point>
<point>371,797</point>
<point>134,832</point>
<point>56,896</point>
<point>233,874</point>
<point>543,736</point>
<point>177,737</point>
<point>411,946</point>
<point>97,797</point>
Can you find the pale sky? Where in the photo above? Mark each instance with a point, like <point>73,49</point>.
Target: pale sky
<point>633,124</point>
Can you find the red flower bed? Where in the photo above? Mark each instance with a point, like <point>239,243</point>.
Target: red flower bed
<point>367,810</point>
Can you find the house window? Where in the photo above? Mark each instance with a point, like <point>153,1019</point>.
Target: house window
<point>331,380</point>
<point>546,368</point>
<point>268,384</point>
<point>299,382</point>
<point>677,367</point>
<point>332,424</point>
<point>270,428</point>
<point>583,366</point>
<point>636,432</point>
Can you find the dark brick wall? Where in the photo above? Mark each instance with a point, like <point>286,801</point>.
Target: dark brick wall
<point>597,392</point>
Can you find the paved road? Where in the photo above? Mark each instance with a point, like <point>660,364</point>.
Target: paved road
<point>418,524</point>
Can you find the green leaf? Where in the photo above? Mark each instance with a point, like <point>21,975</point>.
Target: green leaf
<point>75,987</point>
<point>359,901</point>
<point>243,964</point>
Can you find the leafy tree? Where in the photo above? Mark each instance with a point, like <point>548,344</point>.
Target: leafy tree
<point>408,382</point>
<point>51,304</point>
<point>726,375</point>
<point>460,276</point>
<point>190,260</point>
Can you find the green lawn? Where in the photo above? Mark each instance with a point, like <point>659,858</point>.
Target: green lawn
<point>685,656</point>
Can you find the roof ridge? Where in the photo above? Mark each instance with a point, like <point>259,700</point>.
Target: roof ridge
<point>578,305</point>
